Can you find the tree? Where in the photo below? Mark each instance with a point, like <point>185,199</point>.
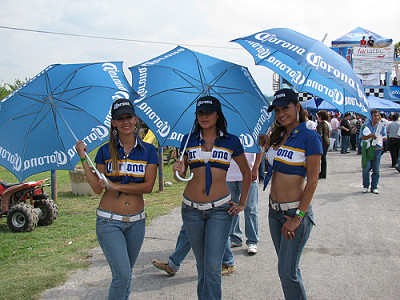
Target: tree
<point>8,88</point>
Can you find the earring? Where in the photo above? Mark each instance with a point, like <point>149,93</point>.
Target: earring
<point>298,117</point>
<point>114,132</point>
<point>135,129</point>
<point>276,124</point>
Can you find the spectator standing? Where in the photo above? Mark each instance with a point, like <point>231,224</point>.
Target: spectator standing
<point>310,124</point>
<point>335,131</point>
<point>363,42</point>
<point>323,130</point>
<point>353,132</point>
<point>373,134</point>
<point>370,42</point>
<point>394,139</point>
<point>359,123</point>
<point>345,131</point>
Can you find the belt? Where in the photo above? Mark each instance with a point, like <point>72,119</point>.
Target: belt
<point>208,205</point>
<point>283,206</point>
<point>122,218</point>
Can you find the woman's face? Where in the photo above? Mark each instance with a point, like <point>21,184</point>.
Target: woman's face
<point>125,123</point>
<point>207,119</point>
<point>287,115</point>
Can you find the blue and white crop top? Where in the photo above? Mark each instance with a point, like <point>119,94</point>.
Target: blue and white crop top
<point>291,157</point>
<point>131,168</point>
<point>225,147</point>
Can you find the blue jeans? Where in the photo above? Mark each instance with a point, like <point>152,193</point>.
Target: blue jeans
<point>208,232</point>
<point>182,248</point>
<point>345,143</point>
<point>375,165</point>
<point>289,251</point>
<point>250,213</point>
<point>335,135</point>
<point>121,243</point>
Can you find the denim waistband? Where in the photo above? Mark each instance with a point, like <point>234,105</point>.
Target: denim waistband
<point>207,205</point>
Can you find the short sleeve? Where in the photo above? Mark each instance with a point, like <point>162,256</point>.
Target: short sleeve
<point>153,156</point>
<point>99,159</point>
<point>313,144</point>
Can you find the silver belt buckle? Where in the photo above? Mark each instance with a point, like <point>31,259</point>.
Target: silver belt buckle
<point>275,206</point>
<point>126,219</point>
<point>204,206</point>
<point>284,207</point>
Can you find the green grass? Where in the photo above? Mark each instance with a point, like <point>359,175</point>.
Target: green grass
<point>35,261</point>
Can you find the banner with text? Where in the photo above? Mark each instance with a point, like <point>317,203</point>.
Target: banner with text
<point>367,60</point>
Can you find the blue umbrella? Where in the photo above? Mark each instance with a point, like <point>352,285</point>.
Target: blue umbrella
<point>170,84</point>
<point>308,65</point>
<point>41,121</point>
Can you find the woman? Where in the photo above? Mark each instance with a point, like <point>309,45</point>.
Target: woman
<point>294,154</point>
<point>130,168</point>
<point>207,209</point>
<point>323,130</point>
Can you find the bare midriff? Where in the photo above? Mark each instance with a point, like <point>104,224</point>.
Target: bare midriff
<point>286,188</point>
<point>123,204</point>
<point>196,188</point>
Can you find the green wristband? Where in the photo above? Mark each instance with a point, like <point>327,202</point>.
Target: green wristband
<point>83,159</point>
<point>300,213</point>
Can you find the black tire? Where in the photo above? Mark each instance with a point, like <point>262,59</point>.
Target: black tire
<point>22,218</point>
<point>49,211</point>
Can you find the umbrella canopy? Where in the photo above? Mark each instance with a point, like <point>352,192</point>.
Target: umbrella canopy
<point>316,105</point>
<point>352,38</point>
<point>308,65</point>
<point>41,121</point>
<point>170,84</point>
<point>383,104</point>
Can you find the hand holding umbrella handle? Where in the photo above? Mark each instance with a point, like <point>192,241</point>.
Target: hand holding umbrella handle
<point>100,175</point>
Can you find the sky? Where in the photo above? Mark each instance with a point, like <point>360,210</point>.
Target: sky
<point>205,26</point>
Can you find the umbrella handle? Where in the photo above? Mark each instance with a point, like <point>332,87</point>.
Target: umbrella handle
<point>183,179</point>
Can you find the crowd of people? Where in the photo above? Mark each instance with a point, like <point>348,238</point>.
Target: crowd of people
<point>223,186</point>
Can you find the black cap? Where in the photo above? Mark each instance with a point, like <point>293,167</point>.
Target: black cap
<point>282,98</point>
<point>122,106</point>
<point>208,103</point>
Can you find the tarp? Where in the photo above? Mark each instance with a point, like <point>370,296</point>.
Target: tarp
<point>382,104</point>
<point>313,105</point>
<point>353,38</point>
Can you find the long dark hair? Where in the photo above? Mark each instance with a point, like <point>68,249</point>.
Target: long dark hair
<point>278,131</point>
<point>221,125</point>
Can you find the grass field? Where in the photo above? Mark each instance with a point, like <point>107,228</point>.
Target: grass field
<point>35,261</point>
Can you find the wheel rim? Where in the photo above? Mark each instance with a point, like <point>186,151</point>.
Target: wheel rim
<point>18,220</point>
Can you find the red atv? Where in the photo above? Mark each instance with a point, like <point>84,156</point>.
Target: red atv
<point>26,205</point>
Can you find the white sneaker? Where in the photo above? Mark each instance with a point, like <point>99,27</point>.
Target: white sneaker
<point>365,190</point>
<point>252,249</point>
<point>375,191</point>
